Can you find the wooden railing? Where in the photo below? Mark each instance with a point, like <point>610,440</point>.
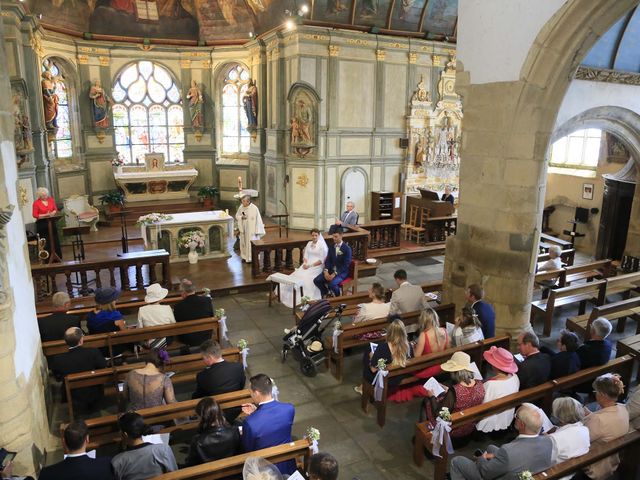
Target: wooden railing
<point>383,234</point>
<point>79,274</point>
<point>284,254</point>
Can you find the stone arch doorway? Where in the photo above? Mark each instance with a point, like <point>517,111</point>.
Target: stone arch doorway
<point>503,172</point>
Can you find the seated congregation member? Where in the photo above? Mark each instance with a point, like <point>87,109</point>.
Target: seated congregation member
<point>633,407</point>
<point>571,437</point>
<point>597,350</point>
<point>219,376</point>
<point>554,262</point>
<point>464,392</point>
<point>77,465</point>
<point>468,328</point>
<point>395,351</point>
<point>529,451</point>
<point>377,308</point>
<point>348,217</point>
<point>149,386</point>
<point>607,424</point>
<point>336,265</point>
<point>192,307</point>
<point>78,359</point>
<point>269,422</point>
<point>53,326</point>
<point>536,367</point>
<point>566,361</point>
<point>505,382</point>
<point>140,460</point>
<point>407,297</point>
<point>154,314</point>
<point>105,317</point>
<point>323,466</point>
<point>432,338</point>
<point>216,439</point>
<point>486,314</point>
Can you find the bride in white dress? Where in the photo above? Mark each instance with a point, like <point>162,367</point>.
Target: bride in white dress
<point>313,260</point>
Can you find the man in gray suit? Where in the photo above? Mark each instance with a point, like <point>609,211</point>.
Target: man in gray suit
<point>348,217</point>
<point>529,451</point>
<point>406,298</point>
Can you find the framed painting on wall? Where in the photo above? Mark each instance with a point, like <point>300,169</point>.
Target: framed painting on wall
<point>587,191</point>
<point>154,162</point>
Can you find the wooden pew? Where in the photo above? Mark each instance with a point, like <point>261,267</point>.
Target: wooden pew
<point>185,369</point>
<point>545,237</point>
<point>581,324</point>
<point>352,333</point>
<point>136,335</point>
<point>299,449</point>
<point>588,271</point>
<point>104,430</point>
<point>595,454</point>
<point>541,394</point>
<point>591,291</point>
<point>623,284</point>
<point>567,256</point>
<point>417,364</point>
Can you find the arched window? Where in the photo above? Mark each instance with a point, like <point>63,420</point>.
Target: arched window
<point>235,137</point>
<point>62,145</point>
<point>579,150</point>
<point>147,113</point>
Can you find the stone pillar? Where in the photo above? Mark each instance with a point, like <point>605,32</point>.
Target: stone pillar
<point>23,417</point>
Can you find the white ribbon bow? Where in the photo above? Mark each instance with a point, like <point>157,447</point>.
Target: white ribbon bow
<point>275,392</point>
<point>440,435</point>
<point>378,381</point>
<point>244,352</point>
<point>336,334</point>
<point>223,327</point>
<point>314,447</point>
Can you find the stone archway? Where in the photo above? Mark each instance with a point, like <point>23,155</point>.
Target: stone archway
<point>502,175</point>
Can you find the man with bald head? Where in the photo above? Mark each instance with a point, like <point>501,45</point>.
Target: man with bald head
<point>78,359</point>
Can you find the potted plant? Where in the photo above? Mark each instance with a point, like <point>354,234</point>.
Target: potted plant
<point>113,198</point>
<point>207,194</point>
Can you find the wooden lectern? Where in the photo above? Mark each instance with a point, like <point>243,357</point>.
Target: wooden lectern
<point>51,228</point>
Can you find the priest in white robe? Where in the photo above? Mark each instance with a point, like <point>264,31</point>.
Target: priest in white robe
<point>250,226</point>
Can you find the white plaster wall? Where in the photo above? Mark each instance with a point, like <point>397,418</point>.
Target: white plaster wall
<point>506,28</point>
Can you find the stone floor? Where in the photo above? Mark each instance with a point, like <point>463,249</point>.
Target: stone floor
<point>363,449</point>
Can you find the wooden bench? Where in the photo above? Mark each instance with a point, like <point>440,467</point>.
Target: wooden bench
<point>596,453</point>
<point>545,237</point>
<point>541,394</point>
<point>297,450</point>
<point>136,335</point>
<point>623,284</point>
<point>104,430</point>
<point>351,335</point>
<point>592,291</point>
<point>588,271</point>
<point>418,364</point>
<point>185,369</point>
<point>581,324</point>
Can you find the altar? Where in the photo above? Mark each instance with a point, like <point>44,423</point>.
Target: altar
<point>216,227</point>
<point>154,181</point>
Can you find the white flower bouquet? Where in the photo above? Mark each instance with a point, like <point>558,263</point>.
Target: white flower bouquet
<point>191,240</point>
<point>153,218</point>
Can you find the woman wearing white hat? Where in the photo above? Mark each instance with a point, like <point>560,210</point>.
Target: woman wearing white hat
<point>153,313</point>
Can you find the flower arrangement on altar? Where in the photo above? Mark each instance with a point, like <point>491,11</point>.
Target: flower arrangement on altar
<point>192,240</point>
<point>153,218</point>
<point>117,161</point>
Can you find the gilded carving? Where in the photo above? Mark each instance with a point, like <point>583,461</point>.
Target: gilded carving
<point>23,196</point>
<point>380,55</point>
<point>83,59</point>
<point>315,37</point>
<point>334,50</point>
<point>437,60</point>
<point>36,45</point>
<point>395,45</point>
<point>104,61</point>
<point>413,57</point>
<point>357,41</point>
<point>97,51</point>
<point>421,95</point>
<point>206,64</point>
<point>302,180</point>
<point>184,63</point>
<point>608,76</point>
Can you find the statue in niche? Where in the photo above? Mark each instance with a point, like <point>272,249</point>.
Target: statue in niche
<point>21,129</point>
<point>421,94</point>
<point>442,144</point>
<point>421,151</point>
<point>303,114</point>
<point>250,104</point>
<point>50,100</point>
<point>99,105</point>
<point>196,101</point>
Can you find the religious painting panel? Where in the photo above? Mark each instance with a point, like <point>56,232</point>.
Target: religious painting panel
<point>303,118</point>
<point>372,13</point>
<point>334,11</point>
<point>22,138</point>
<point>441,17</point>
<point>406,15</point>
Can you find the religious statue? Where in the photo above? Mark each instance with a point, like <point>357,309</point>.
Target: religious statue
<point>196,100</point>
<point>421,94</point>
<point>50,99</point>
<point>99,105</point>
<point>295,131</point>
<point>250,104</point>
<point>303,114</point>
<point>442,146</point>
<point>421,151</point>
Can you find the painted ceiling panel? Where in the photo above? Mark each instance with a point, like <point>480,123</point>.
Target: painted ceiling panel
<point>628,57</point>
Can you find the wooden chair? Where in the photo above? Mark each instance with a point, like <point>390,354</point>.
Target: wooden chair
<point>412,221</point>
<point>351,282</point>
<point>420,229</point>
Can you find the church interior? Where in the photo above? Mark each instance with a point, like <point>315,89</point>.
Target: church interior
<point>268,154</point>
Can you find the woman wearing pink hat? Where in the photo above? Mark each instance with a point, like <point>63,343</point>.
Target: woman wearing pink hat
<point>505,382</point>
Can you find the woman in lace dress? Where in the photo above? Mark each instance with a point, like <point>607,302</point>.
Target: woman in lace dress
<point>313,260</point>
<point>149,386</point>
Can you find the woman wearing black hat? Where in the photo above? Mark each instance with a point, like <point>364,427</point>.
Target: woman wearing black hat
<point>105,317</point>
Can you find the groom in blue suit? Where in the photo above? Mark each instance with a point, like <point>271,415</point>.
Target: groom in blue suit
<point>336,266</point>
<point>269,423</point>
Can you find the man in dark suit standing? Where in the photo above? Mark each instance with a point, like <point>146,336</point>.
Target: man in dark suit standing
<point>336,266</point>
<point>52,327</point>
<point>192,307</point>
<point>79,359</point>
<point>269,422</point>
<point>219,376</point>
<point>78,465</point>
<point>484,310</point>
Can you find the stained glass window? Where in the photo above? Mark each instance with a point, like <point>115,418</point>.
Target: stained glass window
<point>62,145</point>
<point>147,113</point>
<point>235,137</point>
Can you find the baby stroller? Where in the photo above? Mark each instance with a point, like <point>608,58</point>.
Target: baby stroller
<point>305,341</point>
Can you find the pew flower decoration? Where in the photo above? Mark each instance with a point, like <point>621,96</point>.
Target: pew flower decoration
<point>192,240</point>
<point>378,380</point>
<point>304,303</point>
<point>313,434</point>
<point>525,475</point>
<point>222,321</point>
<point>445,414</point>
<point>275,393</point>
<point>382,364</point>
<point>440,435</point>
<point>243,345</point>
<point>207,292</point>
<point>153,218</point>
<point>220,312</point>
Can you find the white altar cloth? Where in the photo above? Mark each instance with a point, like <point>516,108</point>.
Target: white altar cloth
<point>156,184</point>
<point>189,218</point>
